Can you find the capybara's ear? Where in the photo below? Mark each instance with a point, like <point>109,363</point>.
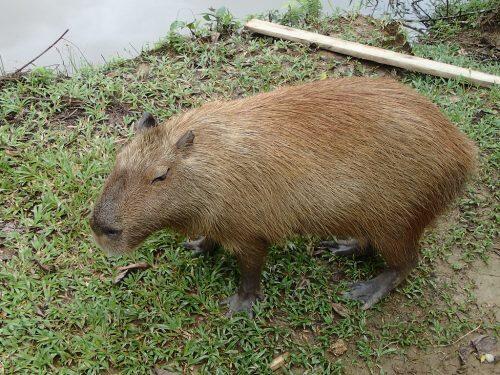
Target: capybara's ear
<point>146,121</point>
<point>185,141</point>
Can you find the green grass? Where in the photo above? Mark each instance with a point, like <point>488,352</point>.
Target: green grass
<point>58,138</point>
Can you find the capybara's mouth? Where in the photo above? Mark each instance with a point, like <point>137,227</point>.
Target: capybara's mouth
<point>110,247</point>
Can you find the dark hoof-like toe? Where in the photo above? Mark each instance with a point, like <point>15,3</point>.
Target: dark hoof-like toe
<point>372,291</point>
<point>341,248</point>
<point>237,304</point>
<point>362,292</point>
<point>199,247</point>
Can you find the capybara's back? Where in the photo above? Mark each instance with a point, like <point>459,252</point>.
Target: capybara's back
<point>368,159</point>
<point>358,158</point>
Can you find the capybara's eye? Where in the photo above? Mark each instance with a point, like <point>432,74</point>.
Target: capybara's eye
<point>161,177</point>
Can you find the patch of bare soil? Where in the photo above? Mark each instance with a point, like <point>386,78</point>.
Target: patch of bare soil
<point>372,31</point>
<point>366,30</point>
<point>441,360</point>
<point>482,41</point>
<point>487,278</point>
<point>460,356</point>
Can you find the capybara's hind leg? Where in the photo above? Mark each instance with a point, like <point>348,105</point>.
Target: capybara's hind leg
<point>348,248</point>
<point>371,291</point>
<point>202,245</point>
<point>400,259</point>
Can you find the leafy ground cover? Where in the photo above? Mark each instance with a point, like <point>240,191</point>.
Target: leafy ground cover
<point>60,310</point>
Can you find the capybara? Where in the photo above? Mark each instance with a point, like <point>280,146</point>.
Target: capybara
<point>356,158</point>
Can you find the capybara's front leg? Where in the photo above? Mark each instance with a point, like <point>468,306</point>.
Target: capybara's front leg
<point>250,262</point>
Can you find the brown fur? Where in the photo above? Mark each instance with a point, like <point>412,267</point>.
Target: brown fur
<point>363,158</point>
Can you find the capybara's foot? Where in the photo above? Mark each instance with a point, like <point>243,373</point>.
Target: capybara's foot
<point>241,303</point>
<point>371,291</point>
<point>348,249</point>
<point>202,245</point>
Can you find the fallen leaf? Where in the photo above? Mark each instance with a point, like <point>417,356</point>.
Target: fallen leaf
<point>44,267</point>
<point>134,266</point>
<point>40,312</point>
<point>160,371</point>
<point>126,269</point>
<point>484,343</point>
<point>488,357</point>
<point>120,277</point>
<point>142,70</point>
<point>6,254</point>
<point>338,347</point>
<point>463,353</point>
<point>279,361</point>
<point>340,310</point>
<point>215,37</point>
<point>11,152</point>
<point>10,227</point>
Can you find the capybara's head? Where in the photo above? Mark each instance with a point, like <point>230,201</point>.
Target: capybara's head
<point>144,192</point>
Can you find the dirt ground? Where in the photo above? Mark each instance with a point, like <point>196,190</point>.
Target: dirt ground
<point>481,42</point>
<point>446,359</point>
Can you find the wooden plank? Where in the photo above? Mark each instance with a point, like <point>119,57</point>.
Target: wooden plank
<point>380,55</point>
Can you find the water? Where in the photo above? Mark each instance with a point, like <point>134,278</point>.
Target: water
<point>100,30</point>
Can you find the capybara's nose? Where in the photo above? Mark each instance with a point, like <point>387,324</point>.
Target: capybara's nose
<point>100,228</point>
<point>111,232</point>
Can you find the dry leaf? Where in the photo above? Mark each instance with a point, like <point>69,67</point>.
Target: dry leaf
<point>463,353</point>
<point>134,266</point>
<point>6,254</point>
<point>44,267</point>
<point>126,269</point>
<point>142,70</point>
<point>279,361</point>
<point>338,347</point>
<point>10,227</point>
<point>160,371</point>
<point>340,310</point>
<point>120,277</point>
<point>215,37</point>
<point>40,312</point>
<point>11,152</point>
<point>484,343</point>
<point>488,357</point>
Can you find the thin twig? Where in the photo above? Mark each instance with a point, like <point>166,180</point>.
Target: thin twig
<point>62,61</point>
<point>422,9</point>
<point>461,337</point>
<point>135,49</point>
<point>49,47</point>
<point>448,17</point>
<point>421,31</point>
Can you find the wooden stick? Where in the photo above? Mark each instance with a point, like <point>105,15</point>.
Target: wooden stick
<point>46,49</point>
<point>380,55</point>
